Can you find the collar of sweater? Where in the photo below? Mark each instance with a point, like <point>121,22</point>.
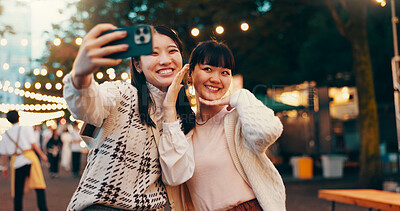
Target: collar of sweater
<point>158,97</point>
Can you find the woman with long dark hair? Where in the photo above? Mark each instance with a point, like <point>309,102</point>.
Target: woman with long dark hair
<point>123,170</point>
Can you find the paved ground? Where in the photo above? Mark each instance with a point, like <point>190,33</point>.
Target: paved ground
<point>301,194</point>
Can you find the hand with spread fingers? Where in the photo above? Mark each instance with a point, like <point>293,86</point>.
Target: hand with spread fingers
<point>221,102</point>
<point>92,51</point>
<point>172,95</point>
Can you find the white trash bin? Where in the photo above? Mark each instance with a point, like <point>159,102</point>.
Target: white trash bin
<point>332,166</point>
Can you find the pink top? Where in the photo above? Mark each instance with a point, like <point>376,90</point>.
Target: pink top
<point>216,184</point>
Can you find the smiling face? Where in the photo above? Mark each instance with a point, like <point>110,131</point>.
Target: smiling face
<point>210,82</point>
<point>161,66</point>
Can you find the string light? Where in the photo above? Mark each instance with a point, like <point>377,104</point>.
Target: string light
<point>112,76</point>
<point>24,42</point>
<point>195,32</point>
<point>48,86</point>
<point>6,66</point>
<point>17,84</point>
<point>27,85</point>
<point>38,85</point>
<point>78,41</point>
<point>99,75</point>
<point>36,71</point>
<point>21,70</point>
<point>124,76</point>
<point>57,42</point>
<point>219,29</point>
<point>43,72</point>
<point>58,86</point>
<point>3,42</point>
<point>59,73</point>
<point>244,26</point>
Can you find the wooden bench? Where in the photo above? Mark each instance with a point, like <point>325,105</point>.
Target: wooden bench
<point>372,199</point>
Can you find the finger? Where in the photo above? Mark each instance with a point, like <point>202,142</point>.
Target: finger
<point>106,62</point>
<point>104,51</point>
<point>222,101</point>
<point>179,77</point>
<point>98,29</point>
<point>107,38</point>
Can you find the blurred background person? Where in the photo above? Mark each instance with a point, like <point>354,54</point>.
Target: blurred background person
<point>66,153</point>
<point>37,130</point>
<point>53,147</point>
<point>76,149</point>
<point>18,141</point>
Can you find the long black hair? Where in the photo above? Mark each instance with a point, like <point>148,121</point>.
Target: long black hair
<point>145,100</point>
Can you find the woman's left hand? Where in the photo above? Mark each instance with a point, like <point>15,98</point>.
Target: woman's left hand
<point>172,95</point>
<point>221,102</point>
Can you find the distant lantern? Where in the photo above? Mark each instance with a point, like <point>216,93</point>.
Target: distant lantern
<point>24,42</point>
<point>124,76</point>
<point>17,84</point>
<point>3,42</point>
<point>219,29</point>
<point>36,71</point>
<point>21,70</point>
<point>48,86</point>
<point>27,85</point>
<point>43,72</point>
<point>6,66</point>
<point>99,75</point>
<point>78,41</point>
<point>58,86</point>
<point>244,26</point>
<point>59,73</point>
<point>57,42</point>
<point>195,32</point>
<point>38,85</point>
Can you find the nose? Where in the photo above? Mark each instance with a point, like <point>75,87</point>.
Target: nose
<point>165,59</point>
<point>215,77</point>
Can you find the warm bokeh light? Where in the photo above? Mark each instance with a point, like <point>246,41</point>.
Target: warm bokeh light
<point>112,76</point>
<point>219,29</point>
<point>17,84</point>
<point>59,73</point>
<point>195,32</point>
<point>78,41</point>
<point>124,76</point>
<point>38,85</point>
<point>36,71</point>
<point>48,86</point>
<point>99,75</point>
<point>27,85</point>
<point>244,26</point>
<point>110,71</point>
<point>3,42</point>
<point>24,42</point>
<point>58,86</point>
<point>57,42</point>
<point>21,70</point>
<point>6,66</point>
<point>43,72</point>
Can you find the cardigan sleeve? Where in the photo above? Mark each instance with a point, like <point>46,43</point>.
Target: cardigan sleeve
<point>176,154</point>
<point>91,104</point>
<point>259,125</point>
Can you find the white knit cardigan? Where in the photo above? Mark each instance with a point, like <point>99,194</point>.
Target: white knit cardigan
<point>123,169</point>
<point>250,129</point>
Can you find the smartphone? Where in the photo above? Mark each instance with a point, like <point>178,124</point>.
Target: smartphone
<point>139,39</point>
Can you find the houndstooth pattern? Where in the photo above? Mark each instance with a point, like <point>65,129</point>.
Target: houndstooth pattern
<point>123,171</point>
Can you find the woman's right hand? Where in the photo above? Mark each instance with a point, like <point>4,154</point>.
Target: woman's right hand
<point>91,53</point>
<point>172,95</point>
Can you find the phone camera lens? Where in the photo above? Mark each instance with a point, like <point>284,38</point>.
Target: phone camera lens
<point>142,38</point>
<point>137,32</point>
<point>145,31</point>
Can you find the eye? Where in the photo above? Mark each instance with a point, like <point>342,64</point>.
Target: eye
<point>154,53</point>
<point>226,73</point>
<point>173,50</point>
<point>207,69</point>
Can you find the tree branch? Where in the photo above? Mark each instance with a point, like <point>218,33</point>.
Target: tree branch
<point>336,17</point>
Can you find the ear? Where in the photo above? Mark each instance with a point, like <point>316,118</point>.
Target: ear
<point>137,66</point>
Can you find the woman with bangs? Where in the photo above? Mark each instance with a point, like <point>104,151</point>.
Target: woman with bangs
<point>224,155</point>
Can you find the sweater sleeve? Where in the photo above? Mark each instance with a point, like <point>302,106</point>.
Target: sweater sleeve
<point>259,125</point>
<point>176,154</point>
<point>91,104</point>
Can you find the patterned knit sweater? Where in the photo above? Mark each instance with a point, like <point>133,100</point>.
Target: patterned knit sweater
<point>123,169</point>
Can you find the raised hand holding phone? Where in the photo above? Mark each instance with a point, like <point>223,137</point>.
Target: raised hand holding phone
<point>92,51</point>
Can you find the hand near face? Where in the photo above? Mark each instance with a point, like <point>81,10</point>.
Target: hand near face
<point>91,53</point>
<point>172,95</point>
<point>221,102</point>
